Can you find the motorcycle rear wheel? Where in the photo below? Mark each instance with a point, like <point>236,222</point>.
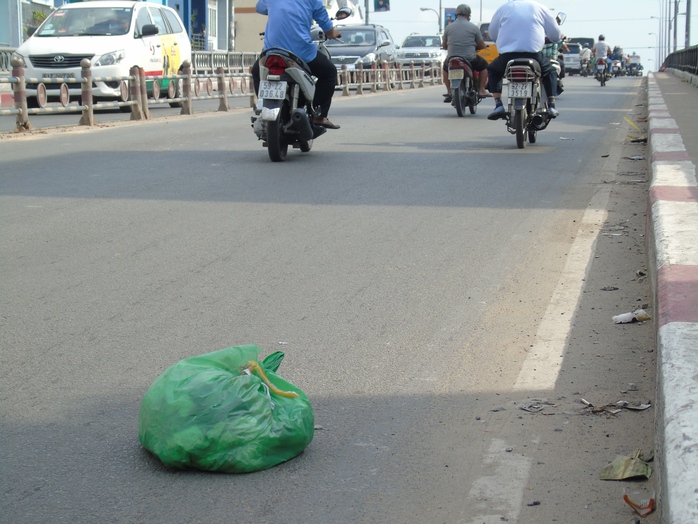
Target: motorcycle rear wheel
<point>532,136</point>
<point>459,94</point>
<point>277,144</point>
<point>520,127</point>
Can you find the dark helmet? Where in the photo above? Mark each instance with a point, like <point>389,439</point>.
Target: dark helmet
<point>601,37</point>
<point>463,10</point>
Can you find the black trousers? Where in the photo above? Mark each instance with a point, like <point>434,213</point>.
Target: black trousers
<point>326,74</point>
<point>498,66</point>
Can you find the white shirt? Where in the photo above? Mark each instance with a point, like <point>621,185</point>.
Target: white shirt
<point>601,49</point>
<point>585,53</point>
<point>521,26</point>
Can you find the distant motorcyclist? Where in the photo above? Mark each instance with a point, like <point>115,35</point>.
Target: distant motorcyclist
<point>602,50</point>
<point>519,28</point>
<point>288,27</point>
<point>584,54</point>
<point>463,38</point>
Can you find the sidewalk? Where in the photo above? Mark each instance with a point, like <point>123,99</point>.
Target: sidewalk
<point>673,237</point>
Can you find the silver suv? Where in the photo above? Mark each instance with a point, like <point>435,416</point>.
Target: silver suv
<point>362,44</point>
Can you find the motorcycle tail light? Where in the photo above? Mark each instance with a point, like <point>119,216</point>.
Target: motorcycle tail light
<point>518,75</point>
<point>275,64</point>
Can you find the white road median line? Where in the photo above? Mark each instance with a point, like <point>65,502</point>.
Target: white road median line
<point>544,360</point>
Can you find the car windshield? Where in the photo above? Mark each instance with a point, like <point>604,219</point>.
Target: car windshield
<point>87,21</point>
<point>354,37</point>
<point>422,41</point>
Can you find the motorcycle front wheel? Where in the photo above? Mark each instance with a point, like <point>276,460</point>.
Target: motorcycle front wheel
<point>277,144</point>
<point>520,127</point>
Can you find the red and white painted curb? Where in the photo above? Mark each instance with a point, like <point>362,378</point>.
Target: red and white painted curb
<point>674,224</point>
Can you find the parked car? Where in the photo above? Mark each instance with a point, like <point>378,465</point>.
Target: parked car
<point>420,48</point>
<point>114,35</point>
<point>362,44</point>
<point>572,65</point>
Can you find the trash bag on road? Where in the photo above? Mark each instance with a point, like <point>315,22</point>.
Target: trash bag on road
<point>225,411</point>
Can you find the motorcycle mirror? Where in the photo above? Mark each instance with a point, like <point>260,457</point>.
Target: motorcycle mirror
<point>561,17</point>
<point>344,12</point>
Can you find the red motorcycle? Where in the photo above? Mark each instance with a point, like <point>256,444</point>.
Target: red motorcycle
<point>464,92</point>
<point>586,67</point>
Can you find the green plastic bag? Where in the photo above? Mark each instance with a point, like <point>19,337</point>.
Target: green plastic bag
<point>223,411</point>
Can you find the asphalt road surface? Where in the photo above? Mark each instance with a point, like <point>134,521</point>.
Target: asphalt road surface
<point>420,273</point>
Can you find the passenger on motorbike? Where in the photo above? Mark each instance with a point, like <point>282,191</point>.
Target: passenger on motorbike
<point>519,28</point>
<point>463,38</point>
<point>288,27</point>
<point>551,51</point>
<point>602,50</point>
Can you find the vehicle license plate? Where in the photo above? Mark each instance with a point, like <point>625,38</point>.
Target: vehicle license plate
<point>455,74</point>
<point>520,90</point>
<point>272,90</point>
<point>59,75</point>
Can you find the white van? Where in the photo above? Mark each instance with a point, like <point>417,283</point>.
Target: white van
<point>114,35</point>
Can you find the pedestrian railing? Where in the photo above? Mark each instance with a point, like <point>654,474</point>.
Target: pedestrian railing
<point>183,90</point>
<point>684,60</point>
<point>387,77</point>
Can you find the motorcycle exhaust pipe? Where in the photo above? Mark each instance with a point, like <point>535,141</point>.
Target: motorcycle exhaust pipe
<point>537,121</point>
<point>302,124</point>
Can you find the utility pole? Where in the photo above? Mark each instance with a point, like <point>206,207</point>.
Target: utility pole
<point>688,24</point>
<point>676,21</point>
<point>366,9</point>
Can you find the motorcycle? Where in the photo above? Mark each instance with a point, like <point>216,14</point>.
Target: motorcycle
<point>528,102</point>
<point>616,68</point>
<point>284,114</point>
<point>586,67</point>
<point>464,92</point>
<point>601,74</point>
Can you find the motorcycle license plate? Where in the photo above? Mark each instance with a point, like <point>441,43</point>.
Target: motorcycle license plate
<point>520,90</point>
<point>272,90</point>
<point>455,74</point>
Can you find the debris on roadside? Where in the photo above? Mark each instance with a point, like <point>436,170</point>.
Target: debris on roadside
<point>537,405</point>
<point>635,157</point>
<point>615,407</point>
<point>639,315</point>
<point>624,467</point>
<point>609,288</point>
<point>641,500</point>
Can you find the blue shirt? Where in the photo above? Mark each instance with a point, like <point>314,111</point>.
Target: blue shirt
<point>521,26</point>
<point>288,26</point>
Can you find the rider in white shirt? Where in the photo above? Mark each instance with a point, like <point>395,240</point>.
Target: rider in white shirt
<point>602,50</point>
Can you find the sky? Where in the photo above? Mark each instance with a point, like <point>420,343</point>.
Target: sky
<point>626,23</point>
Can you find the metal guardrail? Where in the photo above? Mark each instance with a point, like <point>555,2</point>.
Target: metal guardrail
<point>387,77</point>
<point>134,92</point>
<point>5,56</point>
<point>684,60</point>
<point>229,70</point>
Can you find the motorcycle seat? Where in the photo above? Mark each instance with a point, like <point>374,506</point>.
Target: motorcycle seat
<point>286,53</point>
<point>530,62</point>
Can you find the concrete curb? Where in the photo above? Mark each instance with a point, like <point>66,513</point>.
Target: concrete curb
<point>674,244</point>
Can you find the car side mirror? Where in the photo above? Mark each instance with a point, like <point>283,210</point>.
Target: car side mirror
<point>384,43</point>
<point>149,30</point>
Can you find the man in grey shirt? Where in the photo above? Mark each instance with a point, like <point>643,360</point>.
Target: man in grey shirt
<point>463,38</point>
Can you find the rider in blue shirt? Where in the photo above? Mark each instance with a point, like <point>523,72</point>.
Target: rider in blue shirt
<point>288,27</point>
